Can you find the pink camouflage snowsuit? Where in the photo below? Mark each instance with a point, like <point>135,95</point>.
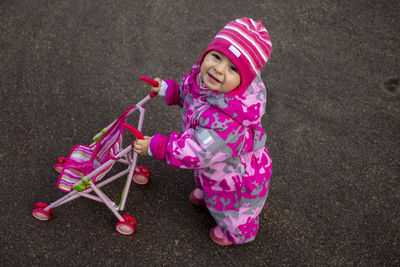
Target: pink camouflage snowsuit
<point>223,141</point>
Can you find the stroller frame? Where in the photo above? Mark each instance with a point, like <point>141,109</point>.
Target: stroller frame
<point>83,188</point>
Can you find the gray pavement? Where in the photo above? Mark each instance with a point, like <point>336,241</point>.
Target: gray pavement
<point>69,68</point>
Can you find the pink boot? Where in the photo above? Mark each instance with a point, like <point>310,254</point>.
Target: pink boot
<point>196,197</point>
<point>218,236</point>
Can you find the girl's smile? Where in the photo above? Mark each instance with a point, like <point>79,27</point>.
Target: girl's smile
<point>212,78</point>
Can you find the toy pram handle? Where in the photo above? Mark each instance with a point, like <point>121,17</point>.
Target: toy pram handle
<point>133,130</point>
<point>152,83</point>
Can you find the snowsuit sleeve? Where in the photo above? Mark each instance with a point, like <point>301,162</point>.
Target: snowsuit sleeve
<point>174,94</point>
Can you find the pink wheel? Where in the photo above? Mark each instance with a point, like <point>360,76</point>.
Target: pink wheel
<point>41,214</point>
<point>144,169</point>
<point>61,160</point>
<point>129,219</point>
<point>58,167</point>
<point>125,228</point>
<point>42,206</point>
<point>140,178</point>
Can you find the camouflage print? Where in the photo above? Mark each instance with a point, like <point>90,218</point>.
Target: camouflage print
<point>223,141</point>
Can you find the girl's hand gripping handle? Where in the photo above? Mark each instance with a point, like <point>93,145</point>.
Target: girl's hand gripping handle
<point>141,145</point>
<point>155,84</point>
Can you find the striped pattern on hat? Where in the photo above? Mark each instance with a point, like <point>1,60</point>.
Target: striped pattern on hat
<point>251,39</point>
<point>247,44</point>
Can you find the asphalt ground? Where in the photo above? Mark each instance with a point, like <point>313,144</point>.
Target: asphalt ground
<point>69,68</point>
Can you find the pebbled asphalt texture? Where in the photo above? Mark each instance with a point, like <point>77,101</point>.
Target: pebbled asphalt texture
<point>69,68</point>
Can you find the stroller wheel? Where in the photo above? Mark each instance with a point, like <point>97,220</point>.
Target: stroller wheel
<point>41,215</point>
<point>129,219</point>
<point>58,167</point>
<point>144,170</point>
<point>141,176</point>
<point>43,205</point>
<point>61,160</point>
<point>125,228</point>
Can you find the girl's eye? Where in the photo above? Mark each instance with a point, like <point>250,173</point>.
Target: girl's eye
<point>216,56</point>
<point>234,68</point>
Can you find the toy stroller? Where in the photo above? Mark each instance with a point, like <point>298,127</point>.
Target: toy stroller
<point>82,171</point>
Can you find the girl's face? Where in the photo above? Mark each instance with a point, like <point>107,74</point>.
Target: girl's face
<point>219,73</point>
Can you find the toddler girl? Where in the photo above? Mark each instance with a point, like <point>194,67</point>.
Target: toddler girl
<point>223,100</point>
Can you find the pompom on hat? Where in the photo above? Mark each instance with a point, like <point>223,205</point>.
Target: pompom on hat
<point>247,44</point>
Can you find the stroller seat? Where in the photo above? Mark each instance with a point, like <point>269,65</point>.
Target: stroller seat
<point>78,165</point>
<point>84,159</point>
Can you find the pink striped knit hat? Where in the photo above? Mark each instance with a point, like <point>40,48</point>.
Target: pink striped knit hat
<point>247,44</point>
